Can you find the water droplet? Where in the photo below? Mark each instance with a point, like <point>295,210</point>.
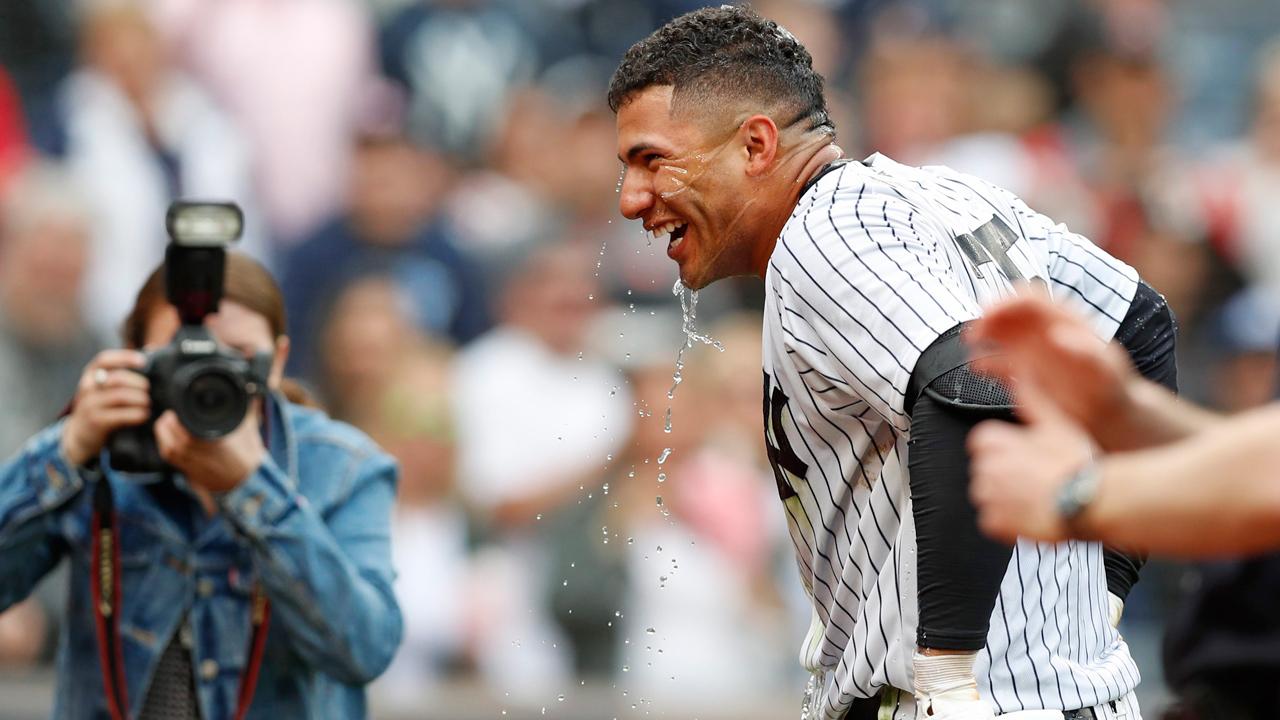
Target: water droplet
<point>560,698</point>
<point>650,631</point>
<point>662,477</point>
<point>605,488</point>
<point>591,296</point>
<point>538,516</point>
<point>614,391</point>
<point>626,668</point>
<point>666,453</point>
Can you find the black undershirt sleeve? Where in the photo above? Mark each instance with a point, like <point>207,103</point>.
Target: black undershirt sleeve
<point>1148,333</point>
<point>959,569</point>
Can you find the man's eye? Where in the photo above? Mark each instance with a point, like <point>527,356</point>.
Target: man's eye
<point>651,159</point>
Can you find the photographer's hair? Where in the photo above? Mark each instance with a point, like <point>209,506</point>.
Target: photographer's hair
<point>246,282</point>
<point>717,57</point>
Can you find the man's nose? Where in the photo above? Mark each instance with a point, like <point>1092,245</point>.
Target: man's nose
<point>636,195</point>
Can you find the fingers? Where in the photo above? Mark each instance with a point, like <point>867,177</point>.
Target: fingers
<point>119,397</point>
<point>989,435</point>
<point>119,358</point>
<point>112,419</point>
<point>172,439</point>
<point>1000,367</point>
<point>993,447</point>
<point>1006,320</point>
<point>1035,404</point>
<point>109,369</point>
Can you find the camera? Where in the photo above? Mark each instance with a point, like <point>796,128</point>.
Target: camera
<point>208,386</point>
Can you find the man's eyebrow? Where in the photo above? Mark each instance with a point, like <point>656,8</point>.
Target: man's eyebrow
<point>634,151</point>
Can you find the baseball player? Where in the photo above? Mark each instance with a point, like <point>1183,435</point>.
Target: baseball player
<point>872,271</point>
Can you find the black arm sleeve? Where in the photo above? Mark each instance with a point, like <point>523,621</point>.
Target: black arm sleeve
<point>1148,333</point>
<point>959,569</point>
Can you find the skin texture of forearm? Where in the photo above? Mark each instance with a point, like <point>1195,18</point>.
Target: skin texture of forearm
<point>1148,417</point>
<point>1212,494</point>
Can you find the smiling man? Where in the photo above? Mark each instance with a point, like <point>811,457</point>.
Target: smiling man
<point>872,269</point>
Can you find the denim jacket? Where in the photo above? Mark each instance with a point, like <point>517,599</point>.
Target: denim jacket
<point>312,524</point>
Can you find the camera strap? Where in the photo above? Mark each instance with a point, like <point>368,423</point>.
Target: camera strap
<point>104,587</point>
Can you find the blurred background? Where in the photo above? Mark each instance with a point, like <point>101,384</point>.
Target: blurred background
<point>433,182</point>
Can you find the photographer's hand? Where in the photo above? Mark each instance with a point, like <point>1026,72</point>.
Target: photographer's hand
<point>214,465</point>
<point>109,397</point>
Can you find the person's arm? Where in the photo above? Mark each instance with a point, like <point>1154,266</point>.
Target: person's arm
<point>1215,493</point>
<point>48,475</point>
<point>1093,382</point>
<point>329,578</point>
<point>954,607</point>
<point>37,487</point>
<point>1149,415</point>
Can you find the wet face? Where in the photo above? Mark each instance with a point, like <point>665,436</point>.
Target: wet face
<point>689,185</point>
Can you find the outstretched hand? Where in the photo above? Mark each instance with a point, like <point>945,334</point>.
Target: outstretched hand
<point>1017,471</point>
<point>1048,349</point>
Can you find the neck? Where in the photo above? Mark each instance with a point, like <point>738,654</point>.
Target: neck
<point>805,162</point>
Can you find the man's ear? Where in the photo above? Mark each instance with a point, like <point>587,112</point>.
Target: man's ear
<point>759,137</point>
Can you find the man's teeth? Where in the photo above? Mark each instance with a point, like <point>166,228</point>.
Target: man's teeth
<point>666,229</point>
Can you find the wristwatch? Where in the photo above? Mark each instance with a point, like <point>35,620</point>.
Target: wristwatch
<point>1076,493</point>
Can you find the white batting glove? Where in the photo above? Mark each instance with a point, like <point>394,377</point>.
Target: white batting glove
<point>946,690</point>
<point>1115,608</point>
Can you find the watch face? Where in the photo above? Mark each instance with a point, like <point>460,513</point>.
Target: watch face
<point>1078,492</point>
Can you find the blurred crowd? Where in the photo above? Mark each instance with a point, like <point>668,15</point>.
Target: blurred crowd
<point>434,184</point>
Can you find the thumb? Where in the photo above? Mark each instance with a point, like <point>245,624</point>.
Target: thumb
<point>1034,405</point>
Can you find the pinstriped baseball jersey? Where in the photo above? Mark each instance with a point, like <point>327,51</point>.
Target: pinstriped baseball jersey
<point>877,260</point>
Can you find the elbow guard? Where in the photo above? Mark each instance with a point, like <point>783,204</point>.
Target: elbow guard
<point>943,371</point>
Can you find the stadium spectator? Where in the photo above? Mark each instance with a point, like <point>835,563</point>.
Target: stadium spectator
<point>390,226</point>
<point>138,135</point>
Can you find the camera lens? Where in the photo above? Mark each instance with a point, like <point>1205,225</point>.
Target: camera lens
<point>212,400</point>
<point>210,395</point>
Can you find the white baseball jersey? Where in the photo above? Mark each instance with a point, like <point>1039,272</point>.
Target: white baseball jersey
<point>877,260</point>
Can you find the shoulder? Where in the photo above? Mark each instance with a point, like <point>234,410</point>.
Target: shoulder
<point>322,441</point>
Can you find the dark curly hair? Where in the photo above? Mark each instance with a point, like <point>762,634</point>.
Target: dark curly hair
<point>717,53</point>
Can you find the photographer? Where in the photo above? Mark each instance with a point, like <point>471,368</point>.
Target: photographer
<point>258,561</point>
